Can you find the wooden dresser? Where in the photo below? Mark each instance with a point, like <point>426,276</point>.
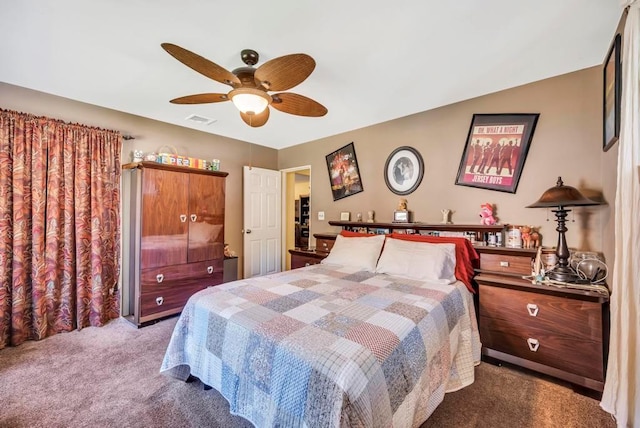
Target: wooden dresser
<point>556,331</point>
<point>173,237</point>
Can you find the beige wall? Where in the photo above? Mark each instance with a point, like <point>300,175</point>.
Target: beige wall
<point>150,135</point>
<point>567,142</point>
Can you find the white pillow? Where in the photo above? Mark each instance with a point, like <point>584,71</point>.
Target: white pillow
<point>358,252</point>
<point>418,260</point>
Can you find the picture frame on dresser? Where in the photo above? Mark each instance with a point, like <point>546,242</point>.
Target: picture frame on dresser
<point>495,151</point>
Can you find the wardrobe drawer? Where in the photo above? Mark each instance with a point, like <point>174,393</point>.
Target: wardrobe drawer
<point>166,302</point>
<point>560,350</point>
<point>204,274</point>
<point>506,263</point>
<point>562,315</point>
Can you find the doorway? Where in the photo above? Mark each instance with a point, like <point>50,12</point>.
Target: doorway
<point>297,211</point>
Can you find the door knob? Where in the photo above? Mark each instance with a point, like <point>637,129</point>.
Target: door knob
<point>247,231</point>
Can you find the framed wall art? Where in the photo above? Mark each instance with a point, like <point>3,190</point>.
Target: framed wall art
<point>344,174</point>
<point>403,170</point>
<point>495,151</point>
<point>611,96</point>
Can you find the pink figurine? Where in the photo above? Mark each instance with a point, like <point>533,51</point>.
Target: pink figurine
<point>486,214</point>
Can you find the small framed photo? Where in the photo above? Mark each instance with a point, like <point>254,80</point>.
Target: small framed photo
<point>495,151</point>
<point>345,216</point>
<point>344,174</point>
<point>403,170</point>
<point>611,97</point>
<point>402,216</point>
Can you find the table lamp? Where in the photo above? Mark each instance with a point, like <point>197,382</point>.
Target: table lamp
<point>559,197</point>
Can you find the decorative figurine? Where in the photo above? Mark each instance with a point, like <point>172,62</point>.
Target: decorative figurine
<point>228,252</point>
<point>370,215</point>
<point>530,237</point>
<point>445,216</point>
<point>402,205</point>
<point>359,217</point>
<point>486,215</point>
<point>137,156</point>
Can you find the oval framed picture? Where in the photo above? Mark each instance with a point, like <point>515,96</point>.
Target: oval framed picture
<point>403,170</point>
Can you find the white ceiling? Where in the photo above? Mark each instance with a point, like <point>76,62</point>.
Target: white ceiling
<point>376,60</point>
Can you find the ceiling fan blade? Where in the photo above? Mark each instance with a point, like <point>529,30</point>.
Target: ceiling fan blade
<point>291,103</point>
<point>201,65</point>
<point>200,99</point>
<point>285,72</point>
<point>256,120</point>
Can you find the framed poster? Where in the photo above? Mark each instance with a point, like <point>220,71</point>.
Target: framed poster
<point>403,170</point>
<point>344,174</point>
<point>611,97</point>
<point>495,151</point>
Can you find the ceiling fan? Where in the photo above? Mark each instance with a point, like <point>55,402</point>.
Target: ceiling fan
<point>251,86</point>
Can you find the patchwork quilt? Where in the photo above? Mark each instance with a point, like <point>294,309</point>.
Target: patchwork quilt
<point>328,346</point>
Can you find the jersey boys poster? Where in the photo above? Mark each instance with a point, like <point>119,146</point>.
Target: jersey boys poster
<point>495,151</point>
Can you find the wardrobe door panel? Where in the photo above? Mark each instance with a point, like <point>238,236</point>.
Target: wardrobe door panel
<point>206,218</point>
<point>164,217</point>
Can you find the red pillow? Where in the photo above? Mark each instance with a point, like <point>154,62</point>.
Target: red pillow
<point>350,234</point>
<point>466,256</point>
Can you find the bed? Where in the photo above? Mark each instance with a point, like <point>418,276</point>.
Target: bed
<point>374,337</point>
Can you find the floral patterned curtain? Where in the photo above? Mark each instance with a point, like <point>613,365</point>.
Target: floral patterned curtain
<point>59,226</point>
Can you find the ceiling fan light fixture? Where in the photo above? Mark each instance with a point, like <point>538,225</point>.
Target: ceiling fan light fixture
<point>250,100</point>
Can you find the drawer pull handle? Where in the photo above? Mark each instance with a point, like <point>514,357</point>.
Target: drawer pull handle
<point>193,218</point>
<point>209,269</point>
<point>183,218</point>
<point>504,264</point>
<point>532,309</point>
<point>159,277</point>
<point>159,300</point>
<point>324,244</point>
<point>533,344</point>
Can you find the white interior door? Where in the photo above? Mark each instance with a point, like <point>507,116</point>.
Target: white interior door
<point>262,221</point>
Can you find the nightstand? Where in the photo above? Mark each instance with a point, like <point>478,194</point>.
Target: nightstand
<point>303,257</point>
<point>560,332</point>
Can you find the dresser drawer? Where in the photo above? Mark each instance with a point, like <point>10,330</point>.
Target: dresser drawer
<point>324,245</point>
<point>202,274</point>
<point>506,263</point>
<point>551,348</point>
<point>166,302</point>
<point>565,316</point>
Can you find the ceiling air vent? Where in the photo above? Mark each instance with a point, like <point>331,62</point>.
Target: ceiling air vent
<point>200,119</point>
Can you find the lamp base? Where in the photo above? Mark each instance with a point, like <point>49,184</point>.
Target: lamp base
<point>563,274</point>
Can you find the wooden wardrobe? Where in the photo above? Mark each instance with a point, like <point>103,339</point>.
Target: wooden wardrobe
<point>173,237</point>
